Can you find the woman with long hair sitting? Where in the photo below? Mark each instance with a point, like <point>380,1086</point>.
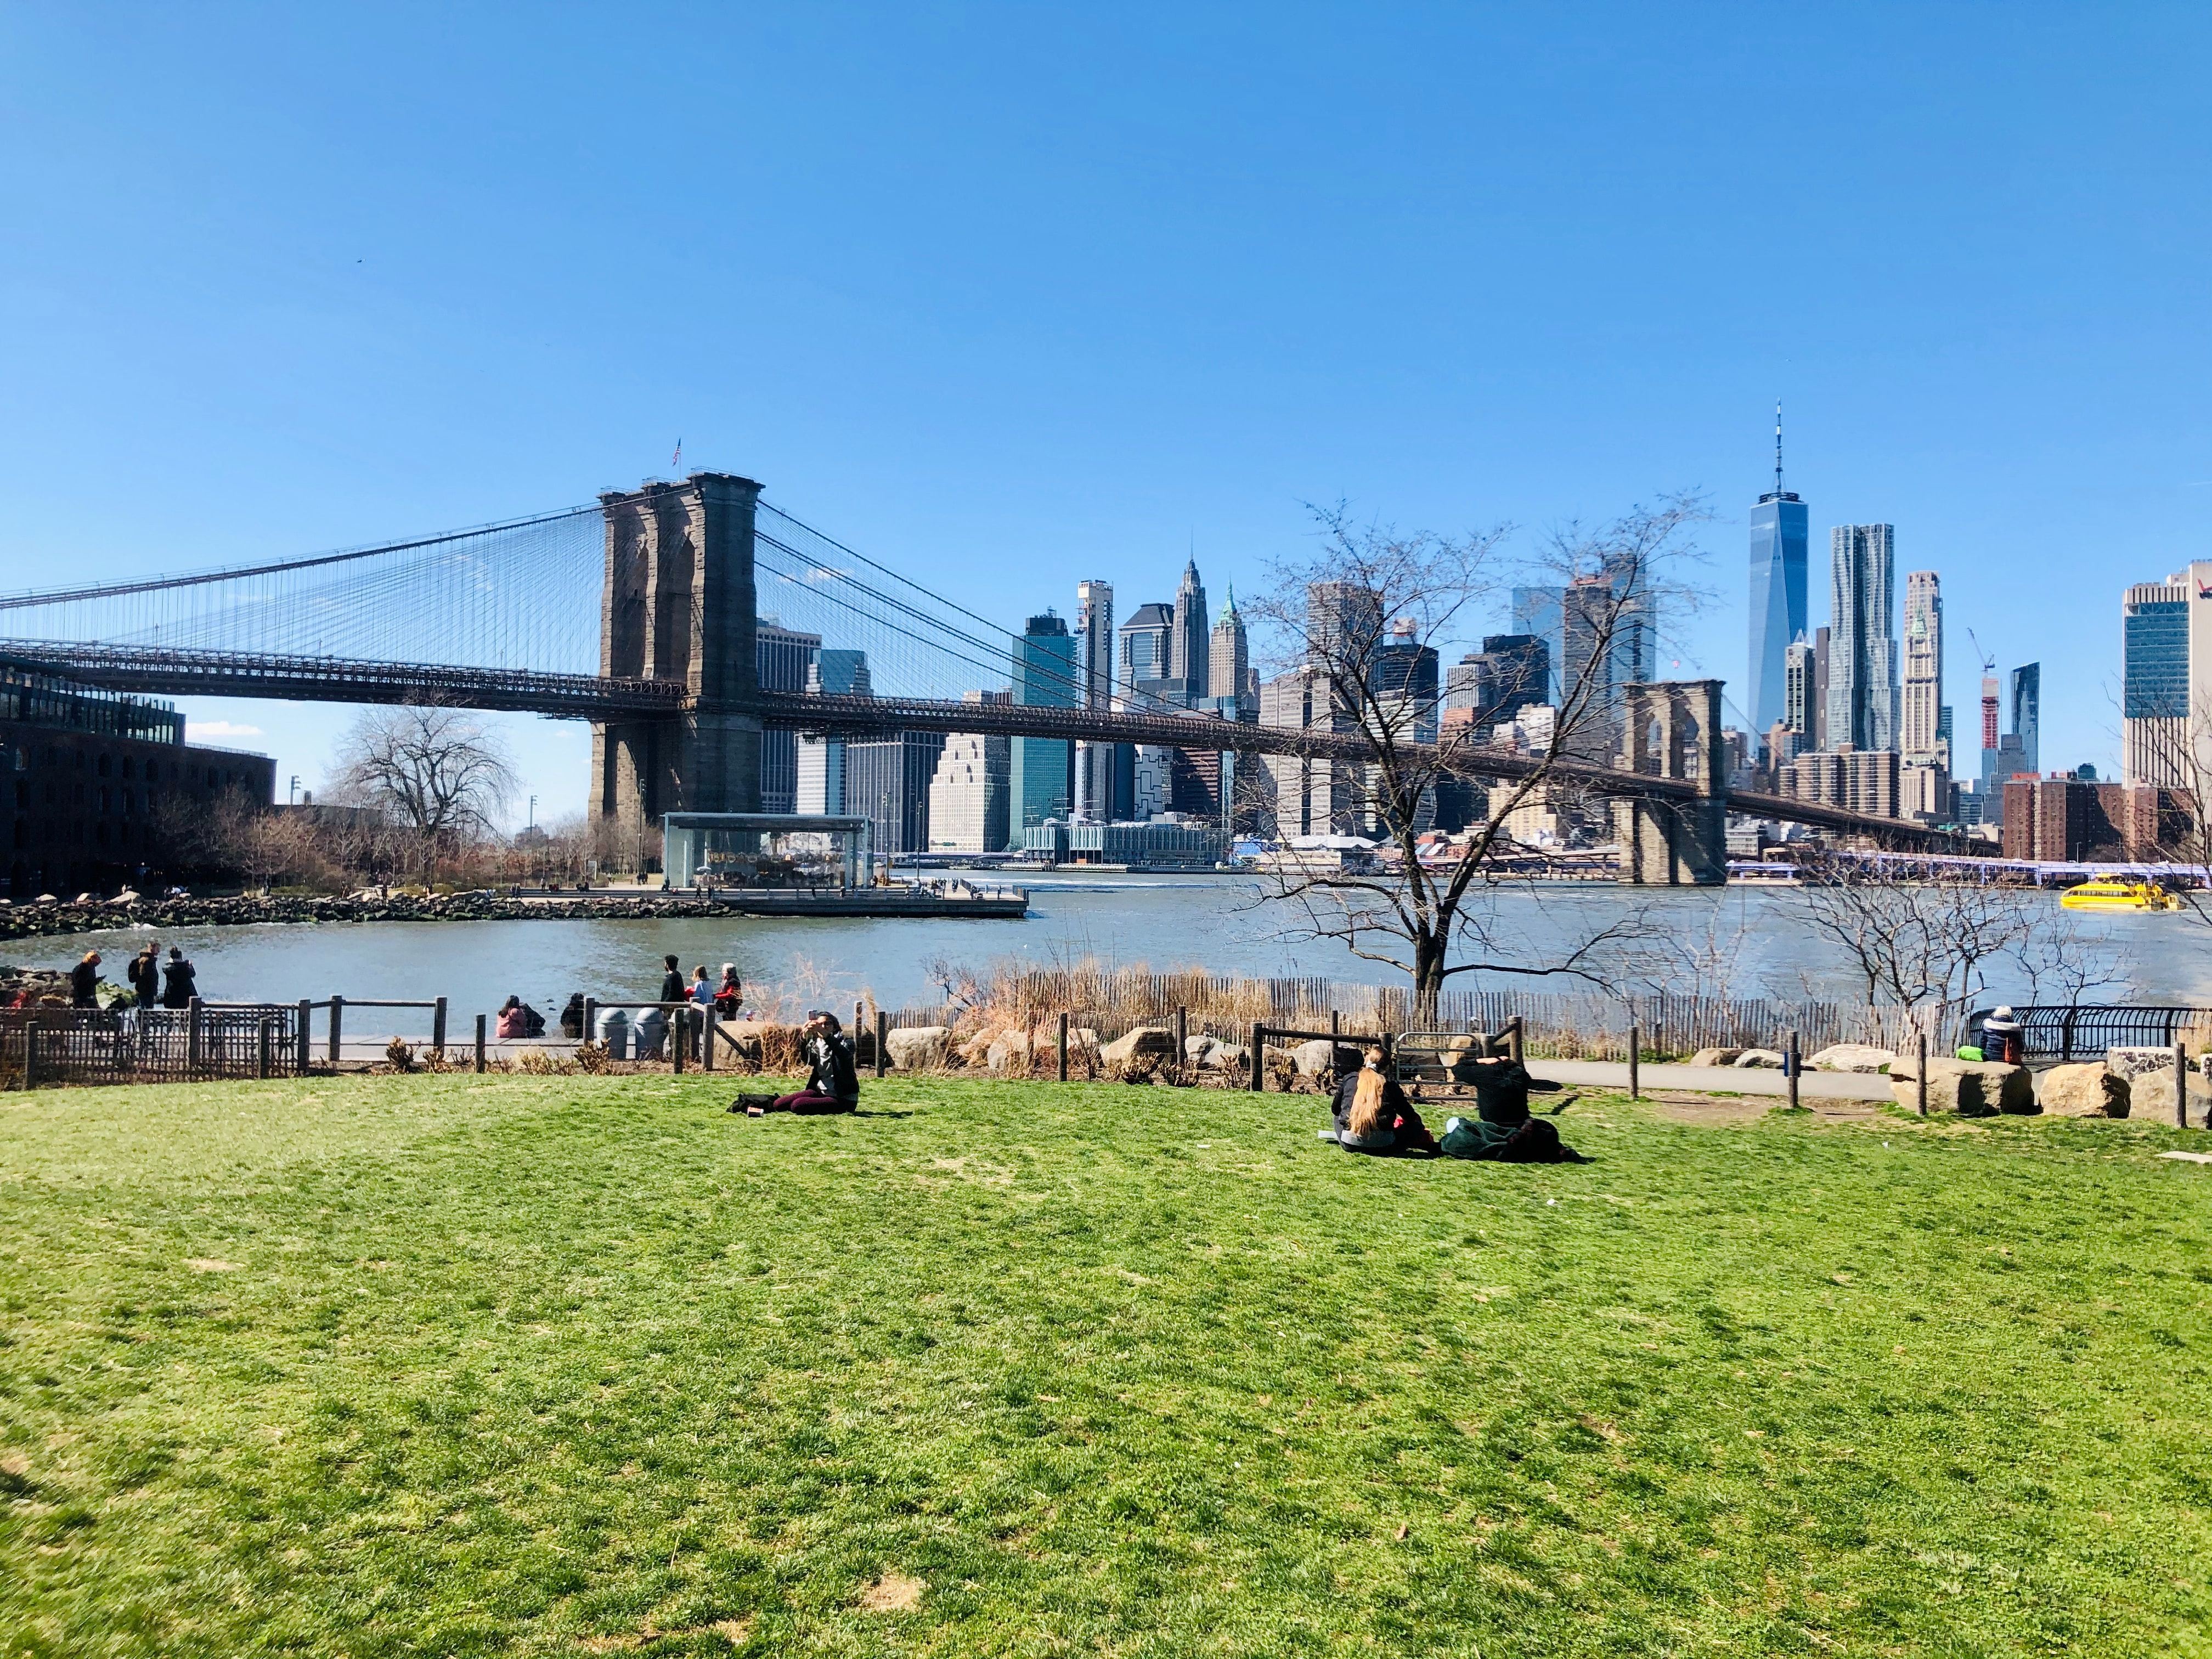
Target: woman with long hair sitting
<point>1373,1115</point>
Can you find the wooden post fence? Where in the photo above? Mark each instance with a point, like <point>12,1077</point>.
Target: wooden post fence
<point>438,1029</point>
<point>1063,1045</point>
<point>1635,1055</point>
<point>1789,1067</point>
<point>882,1043</point>
<point>1920,1087</point>
<point>337,1026</point>
<point>1258,1058</point>
<point>306,1008</point>
<point>480,1045</point>
<point>2180,1086</point>
<point>193,1035</point>
<point>1182,1045</point>
<point>264,1050</point>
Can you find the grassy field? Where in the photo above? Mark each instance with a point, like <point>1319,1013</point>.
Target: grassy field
<point>461,1365</point>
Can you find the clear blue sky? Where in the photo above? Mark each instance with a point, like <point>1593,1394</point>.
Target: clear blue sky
<point>1013,295</point>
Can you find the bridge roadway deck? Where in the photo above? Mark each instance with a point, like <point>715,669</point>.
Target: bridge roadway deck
<point>175,671</point>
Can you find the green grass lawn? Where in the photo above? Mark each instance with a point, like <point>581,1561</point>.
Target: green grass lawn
<point>461,1365</point>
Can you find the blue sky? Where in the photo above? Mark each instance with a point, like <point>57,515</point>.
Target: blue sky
<point>1008,296</point>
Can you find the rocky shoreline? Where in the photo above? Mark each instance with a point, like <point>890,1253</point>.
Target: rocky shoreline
<point>42,921</point>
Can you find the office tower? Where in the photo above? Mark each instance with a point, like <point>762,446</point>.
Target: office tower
<point>1779,538</point>
<point>1540,611</point>
<point>1920,713</point>
<point>1509,673</point>
<point>2155,701</point>
<point>1145,645</point>
<point>1038,782</point>
<point>1863,649</point>
<point>1228,657</point>
<point>820,768</point>
<point>2026,714</point>
<point>1094,663</point>
<point>968,795</point>
<point>1801,695</point>
<point>1313,797</point>
<point>1820,642</point>
<point>1989,711</point>
<point>1607,640</point>
<point>1344,626</point>
<point>1186,639</point>
<point>887,782</point>
<point>781,657</point>
<point>1405,675</point>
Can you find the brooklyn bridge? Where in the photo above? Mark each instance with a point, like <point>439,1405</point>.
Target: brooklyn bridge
<point>690,577</point>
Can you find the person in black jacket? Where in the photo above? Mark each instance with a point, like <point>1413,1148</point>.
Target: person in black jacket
<point>178,984</point>
<point>833,1080</point>
<point>84,982</point>
<point>146,976</point>
<point>1373,1115</point>
<point>671,982</point>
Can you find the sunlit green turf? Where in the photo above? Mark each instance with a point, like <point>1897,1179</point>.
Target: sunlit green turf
<point>452,1365</point>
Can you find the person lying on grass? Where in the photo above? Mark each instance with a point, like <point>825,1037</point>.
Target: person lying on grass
<point>833,1082</point>
<point>1373,1115</point>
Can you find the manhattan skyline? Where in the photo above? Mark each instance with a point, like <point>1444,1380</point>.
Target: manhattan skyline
<point>1013,300</point>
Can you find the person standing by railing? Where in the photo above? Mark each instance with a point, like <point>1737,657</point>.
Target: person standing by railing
<point>84,982</point>
<point>179,984</point>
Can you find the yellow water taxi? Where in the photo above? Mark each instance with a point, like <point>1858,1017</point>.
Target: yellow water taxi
<point>2108,894</point>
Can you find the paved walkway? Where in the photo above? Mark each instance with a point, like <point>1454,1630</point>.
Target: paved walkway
<point>1715,1079</point>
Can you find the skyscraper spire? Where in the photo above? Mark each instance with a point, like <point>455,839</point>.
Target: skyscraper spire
<point>1777,445</point>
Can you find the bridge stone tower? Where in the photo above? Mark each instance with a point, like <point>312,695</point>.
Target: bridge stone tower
<point>1673,731</point>
<point>678,603</point>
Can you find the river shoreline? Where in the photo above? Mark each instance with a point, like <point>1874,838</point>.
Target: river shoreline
<point>46,921</point>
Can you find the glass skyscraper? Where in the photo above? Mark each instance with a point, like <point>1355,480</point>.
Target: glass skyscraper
<point>1862,645</point>
<point>1779,538</point>
<point>1044,675</point>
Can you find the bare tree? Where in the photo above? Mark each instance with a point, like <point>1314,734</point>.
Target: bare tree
<point>1925,945</point>
<point>1357,628</point>
<point>439,774</point>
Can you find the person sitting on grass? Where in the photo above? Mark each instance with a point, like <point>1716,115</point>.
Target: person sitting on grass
<point>1504,1130</point>
<point>1373,1115</point>
<point>833,1081</point>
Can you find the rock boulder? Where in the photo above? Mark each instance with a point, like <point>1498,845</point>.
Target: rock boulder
<point>1319,1054</point>
<point>1861,1057</point>
<point>1970,1088</point>
<point>1715,1056</point>
<point>2089,1090</point>
<point>919,1047</point>
<point>1769,1059</point>
<point>1009,1052</point>
<point>2134,1063</point>
<point>2150,1095</point>
<point>1146,1049</point>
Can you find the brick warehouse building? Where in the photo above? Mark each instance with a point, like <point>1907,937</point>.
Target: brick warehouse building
<point>93,784</point>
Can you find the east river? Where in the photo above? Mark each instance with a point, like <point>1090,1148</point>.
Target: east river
<point>1748,941</point>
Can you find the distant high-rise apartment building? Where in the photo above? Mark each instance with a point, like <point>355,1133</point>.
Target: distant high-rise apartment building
<point>1186,641</point>
<point>1313,797</point>
<point>2154,683</point>
<point>1779,540</point>
<point>1863,644</point>
<point>1039,784</point>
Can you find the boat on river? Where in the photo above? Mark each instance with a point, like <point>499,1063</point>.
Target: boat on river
<point>2104,893</point>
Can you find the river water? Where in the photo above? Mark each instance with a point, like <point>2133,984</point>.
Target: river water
<point>1745,941</point>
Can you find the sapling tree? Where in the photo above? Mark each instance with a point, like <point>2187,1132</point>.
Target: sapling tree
<point>1356,628</point>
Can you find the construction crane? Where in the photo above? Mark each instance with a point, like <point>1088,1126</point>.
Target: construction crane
<point>1989,693</point>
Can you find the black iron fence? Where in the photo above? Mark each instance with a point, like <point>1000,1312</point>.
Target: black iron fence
<point>2085,1031</point>
<point>45,1045</point>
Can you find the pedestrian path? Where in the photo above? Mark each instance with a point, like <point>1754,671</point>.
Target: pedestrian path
<point>1715,1079</point>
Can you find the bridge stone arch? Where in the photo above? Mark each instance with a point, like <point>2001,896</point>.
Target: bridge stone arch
<point>1673,731</point>
<point>678,603</point>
